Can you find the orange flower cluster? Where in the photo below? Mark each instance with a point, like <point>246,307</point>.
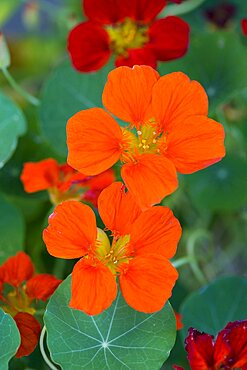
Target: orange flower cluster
<point>167,131</point>
<point>27,288</point>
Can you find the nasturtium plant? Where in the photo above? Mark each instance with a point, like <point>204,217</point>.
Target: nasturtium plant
<point>12,125</point>
<point>66,92</point>
<point>118,338</point>
<point>9,339</point>
<point>12,230</point>
<point>213,306</point>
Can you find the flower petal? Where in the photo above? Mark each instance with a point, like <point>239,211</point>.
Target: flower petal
<point>150,179</point>
<point>118,209</point>
<point>137,56</point>
<point>89,46</point>
<point>169,38</point>
<point>29,329</point>
<point>175,97</point>
<point>94,141</point>
<point>147,281</point>
<point>156,231</point>
<point>105,11</point>
<point>94,287</point>
<point>17,269</point>
<point>71,231</point>
<point>41,175</point>
<point>42,286</point>
<point>200,348</point>
<point>244,26</point>
<point>128,91</point>
<point>145,10</point>
<point>196,143</point>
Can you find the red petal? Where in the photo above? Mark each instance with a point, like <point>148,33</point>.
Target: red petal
<point>244,26</point>
<point>156,231</point>
<point>71,231</point>
<point>137,56</point>
<point>200,348</point>
<point>150,179</point>
<point>16,270</point>
<point>29,329</point>
<point>42,286</point>
<point>143,10</point>
<point>169,38</point>
<point>147,281</point>
<point>118,209</point>
<point>105,11</point>
<point>94,287</point>
<point>88,45</point>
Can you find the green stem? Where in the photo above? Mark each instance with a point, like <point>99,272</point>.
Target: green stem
<point>42,350</point>
<point>199,234</point>
<point>183,8</point>
<point>31,99</point>
<point>181,261</point>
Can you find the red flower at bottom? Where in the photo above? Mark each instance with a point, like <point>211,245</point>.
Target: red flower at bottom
<point>18,272</point>
<point>228,351</point>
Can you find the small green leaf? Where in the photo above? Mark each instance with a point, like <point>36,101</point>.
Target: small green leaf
<point>119,338</point>
<point>65,93</point>
<point>217,61</point>
<point>212,307</point>
<point>9,339</point>
<point>12,125</point>
<point>11,230</point>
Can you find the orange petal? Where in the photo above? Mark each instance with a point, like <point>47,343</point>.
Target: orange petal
<point>16,270</point>
<point>147,282</point>
<point>118,209</point>
<point>71,231</point>
<point>198,145</point>
<point>42,286</point>
<point>94,141</point>
<point>40,175</point>
<point>128,92</point>
<point>156,231</point>
<point>176,97</point>
<point>179,323</point>
<point>150,179</point>
<point>29,329</point>
<point>101,180</point>
<point>93,287</point>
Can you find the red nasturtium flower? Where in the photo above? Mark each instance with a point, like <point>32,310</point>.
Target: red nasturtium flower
<point>244,26</point>
<point>27,288</point>
<point>143,243</point>
<point>63,182</point>
<point>179,323</point>
<point>129,30</point>
<point>168,131</point>
<point>227,352</point>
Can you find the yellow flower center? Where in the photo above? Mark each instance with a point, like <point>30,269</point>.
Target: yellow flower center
<point>112,255</point>
<point>127,35</point>
<point>56,196</point>
<point>18,301</point>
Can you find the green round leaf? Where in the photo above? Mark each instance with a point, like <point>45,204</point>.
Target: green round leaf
<point>217,61</point>
<point>9,339</point>
<point>65,93</point>
<point>119,338</point>
<point>212,307</point>
<point>12,230</point>
<point>220,187</point>
<point>12,125</point>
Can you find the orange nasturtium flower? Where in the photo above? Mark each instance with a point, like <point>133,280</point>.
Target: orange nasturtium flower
<point>143,243</point>
<point>27,287</point>
<point>63,182</point>
<point>168,131</point>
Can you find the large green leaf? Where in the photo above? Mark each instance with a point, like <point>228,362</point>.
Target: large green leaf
<point>9,339</point>
<point>220,187</point>
<point>217,61</point>
<point>119,338</point>
<point>12,125</point>
<point>11,230</point>
<point>65,93</point>
<point>211,308</point>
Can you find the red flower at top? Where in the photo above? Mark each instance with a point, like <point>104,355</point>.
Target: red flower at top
<point>26,288</point>
<point>244,26</point>
<point>129,30</point>
<point>228,351</point>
